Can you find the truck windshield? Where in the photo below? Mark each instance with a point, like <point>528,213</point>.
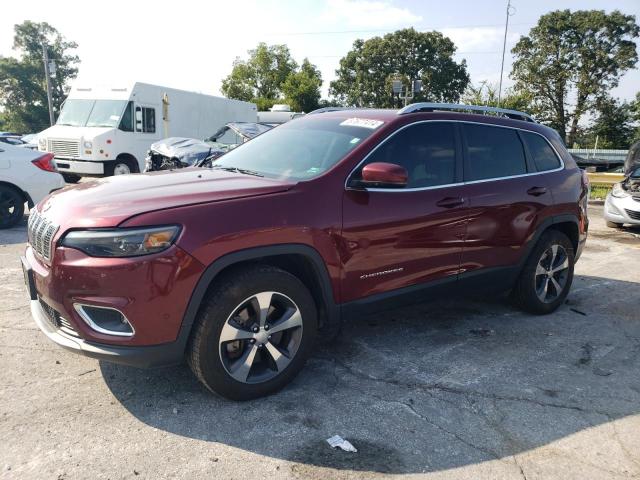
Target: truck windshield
<point>298,150</point>
<point>91,113</point>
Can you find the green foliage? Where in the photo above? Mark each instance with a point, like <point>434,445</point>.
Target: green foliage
<point>271,74</point>
<point>366,72</point>
<point>23,94</point>
<point>302,88</point>
<point>573,58</point>
<point>487,94</point>
<point>613,126</point>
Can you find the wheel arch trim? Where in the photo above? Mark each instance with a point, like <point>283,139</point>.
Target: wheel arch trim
<point>241,256</point>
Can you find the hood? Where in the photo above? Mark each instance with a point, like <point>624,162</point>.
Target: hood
<point>632,162</point>
<point>69,132</point>
<point>109,201</point>
<point>188,150</point>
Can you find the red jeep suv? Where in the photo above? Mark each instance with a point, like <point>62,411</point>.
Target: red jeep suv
<point>239,266</point>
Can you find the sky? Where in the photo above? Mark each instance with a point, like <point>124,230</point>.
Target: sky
<point>191,44</point>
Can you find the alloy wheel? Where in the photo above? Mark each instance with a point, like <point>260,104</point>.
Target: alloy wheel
<point>261,337</point>
<point>552,273</point>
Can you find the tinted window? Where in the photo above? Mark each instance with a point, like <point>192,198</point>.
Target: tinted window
<point>543,155</point>
<point>493,152</point>
<point>427,151</point>
<point>149,119</point>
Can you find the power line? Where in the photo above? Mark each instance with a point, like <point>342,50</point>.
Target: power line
<point>422,28</point>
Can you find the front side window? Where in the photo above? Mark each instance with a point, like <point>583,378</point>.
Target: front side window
<point>543,155</point>
<point>426,150</point>
<point>492,152</point>
<point>126,123</point>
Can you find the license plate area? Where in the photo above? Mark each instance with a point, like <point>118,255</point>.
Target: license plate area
<point>29,279</point>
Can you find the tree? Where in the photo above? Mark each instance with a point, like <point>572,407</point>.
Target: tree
<point>570,60</point>
<point>487,94</point>
<point>23,94</point>
<point>302,88</point>
<point>366,72</point>
<point>271,75</point>
<point>613,126</point>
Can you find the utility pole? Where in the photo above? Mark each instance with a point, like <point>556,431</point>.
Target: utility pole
<point>504,47</point>
<point>47,74</point>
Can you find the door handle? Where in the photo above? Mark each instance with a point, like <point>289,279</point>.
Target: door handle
<point>450,202</point>
<point>537,191</point>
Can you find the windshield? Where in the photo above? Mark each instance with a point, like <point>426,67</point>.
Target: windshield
<point>298,150</point>
<point>91,113</point>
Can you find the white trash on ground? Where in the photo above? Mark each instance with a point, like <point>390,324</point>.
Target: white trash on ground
<point>338,442</point>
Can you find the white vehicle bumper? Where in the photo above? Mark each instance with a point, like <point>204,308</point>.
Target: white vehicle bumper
<point>622,210</point>
<point>79,166</point>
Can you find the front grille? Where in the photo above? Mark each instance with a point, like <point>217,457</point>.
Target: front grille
<point>633,214</point>
<point>58,322</point>
<point>64,148</point>
<point>40,232</point>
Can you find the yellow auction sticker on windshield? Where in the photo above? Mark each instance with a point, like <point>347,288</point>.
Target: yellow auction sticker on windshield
<point>362,122</point>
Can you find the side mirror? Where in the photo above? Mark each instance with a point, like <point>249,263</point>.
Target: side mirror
<point>138,119</point>
<point>384,175</point>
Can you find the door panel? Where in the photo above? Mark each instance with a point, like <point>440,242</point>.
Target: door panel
<point>503,212</point>
<point>397,238</point>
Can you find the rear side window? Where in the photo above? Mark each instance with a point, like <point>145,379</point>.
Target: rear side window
<point>493,152</point>
<point>543,155</point>
<point>426,150</point>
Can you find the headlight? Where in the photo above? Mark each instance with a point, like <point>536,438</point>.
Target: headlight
<point>42,143</point>
<point>619,192</point>
<point>88,144</point>
<point>121,242</point>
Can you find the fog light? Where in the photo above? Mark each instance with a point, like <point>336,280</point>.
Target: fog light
<point>105,320</point>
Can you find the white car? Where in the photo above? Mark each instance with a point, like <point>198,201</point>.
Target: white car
<point>26,176</point>
<point>622,205</point>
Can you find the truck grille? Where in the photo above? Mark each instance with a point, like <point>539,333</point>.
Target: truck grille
<point>64,148</point>
<point>40,232</point>
<point>633,214</point>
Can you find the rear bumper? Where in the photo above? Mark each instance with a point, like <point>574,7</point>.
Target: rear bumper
<point>79,166</point>
<point>141,357</point>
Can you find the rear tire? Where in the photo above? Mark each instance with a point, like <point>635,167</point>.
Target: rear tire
<point>614,225</point>
<point>546,278</point>
<point>11,206</point>
<point>253,333</point>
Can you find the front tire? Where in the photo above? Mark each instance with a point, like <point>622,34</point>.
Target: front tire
<point>546,278</point>
<point>253,334</point>
<point>11,207</point>
<point>71,178</point>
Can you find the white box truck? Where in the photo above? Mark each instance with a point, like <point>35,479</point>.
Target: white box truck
<point>107,131</point>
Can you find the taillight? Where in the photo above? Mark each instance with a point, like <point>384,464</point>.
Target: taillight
<point>45,162</point>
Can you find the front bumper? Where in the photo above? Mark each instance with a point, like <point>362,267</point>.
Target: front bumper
<point>141,357</point>
<point>622,210</point>
<point>79,166</point>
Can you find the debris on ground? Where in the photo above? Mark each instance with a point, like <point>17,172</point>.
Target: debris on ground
<point>580,312</point>
<point>338,442</point>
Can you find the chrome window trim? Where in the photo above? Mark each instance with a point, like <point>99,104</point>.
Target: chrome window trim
<point>79,307</point>
<point>457,184</point>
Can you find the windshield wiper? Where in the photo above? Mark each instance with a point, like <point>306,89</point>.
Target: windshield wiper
<point>238,170</point>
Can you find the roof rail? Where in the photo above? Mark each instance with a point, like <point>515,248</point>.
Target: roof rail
<point>430,107</point>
